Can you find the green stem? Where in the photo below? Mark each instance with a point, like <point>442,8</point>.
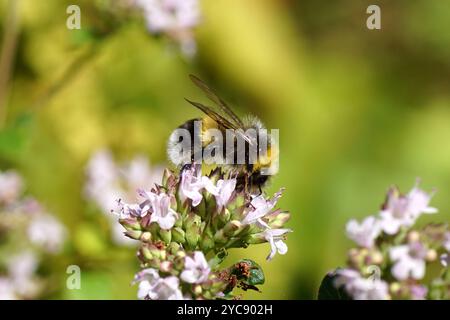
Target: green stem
<point>7,55</point>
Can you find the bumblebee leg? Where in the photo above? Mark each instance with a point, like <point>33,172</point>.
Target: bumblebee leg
<point>246,183</point>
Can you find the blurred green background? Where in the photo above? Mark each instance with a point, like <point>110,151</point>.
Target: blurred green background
<point>358,110</point>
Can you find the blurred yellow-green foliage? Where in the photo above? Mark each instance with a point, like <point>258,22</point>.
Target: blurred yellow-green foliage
<point>358,110</point>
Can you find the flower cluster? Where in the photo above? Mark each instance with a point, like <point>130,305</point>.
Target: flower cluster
<point>28,234</point>
<point>392,256</point>
<point>173,18</point>
<point>190,217</point>
<point>107,181</point>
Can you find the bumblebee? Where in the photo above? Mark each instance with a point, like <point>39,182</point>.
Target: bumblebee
<point>221,139</point>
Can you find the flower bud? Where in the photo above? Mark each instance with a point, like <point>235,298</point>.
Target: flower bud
<point>413,236</point>
<point>173,248</point>
<point>181,254</point>
<point>192,237</point>
<point>178,235</point>
<point>198,289</point>
<point>146,236</point>
<point>220,237</point>
<point>146,253</point>
<point>154,263</point>
<point>232,228</point>
<point>166,266</point>
<point>166,235</point>
<point>130,224</point>
<point>395,288</point>
<point>192,220</point>
<point>207,243</point>
<point>376,258</point>
<point>154,251</point>
<point>224,216</point>
<point>133,234</point>
<point>256,238</point>
<point>431,255</point>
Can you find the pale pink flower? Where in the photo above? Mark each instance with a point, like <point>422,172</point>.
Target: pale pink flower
<point>192,183</point>
<point>11,187</point>
<point>360,288</point>
<point>196,269</point>
<point>261,208</point>
<point>403,210</point>
<point>418,292</point>
<point>275,238</point>
<point>22,265</point>
<point>169,15</point>
<point>7,289</point>
<point>225,189</point>
<point>409,261</point>
<point>153,287</point>
<point>47,232</point>
<point>175,18</point>
<point>162,213</point>
<point>365,233</point>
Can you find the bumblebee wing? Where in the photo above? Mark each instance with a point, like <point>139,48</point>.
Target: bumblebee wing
<point>217,100</point>
<point>219,119</point>
<point>213,115</point>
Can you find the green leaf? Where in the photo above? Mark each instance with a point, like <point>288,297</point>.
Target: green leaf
<point>328,290</point>
<point>15,137</point>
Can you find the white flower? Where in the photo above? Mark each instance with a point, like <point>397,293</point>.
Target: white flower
<point>11,186</point>
<point>146,279</point>
<point>170,15</point>
<point>162,213</point>
<point>133,210</point>
<point>360,288</point>
<point>409,261</point>
<point>152,286</point>
<point>22,265</point>
<point>22,280</point>
<point>225,189</point>
<point>364,234</point>
<point>192,183</point>
<point>196,270</point>
<point>118,234</point>
<point>47,232</point>
<point>7,290</point>
<point>418,292</point>
<point>275,238</point>
<point>402,210</point>
<point>175,18</point>
<point>103,184</point>
<point>261,208</point>
<point>166,289</point>
<point>107,182</point>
